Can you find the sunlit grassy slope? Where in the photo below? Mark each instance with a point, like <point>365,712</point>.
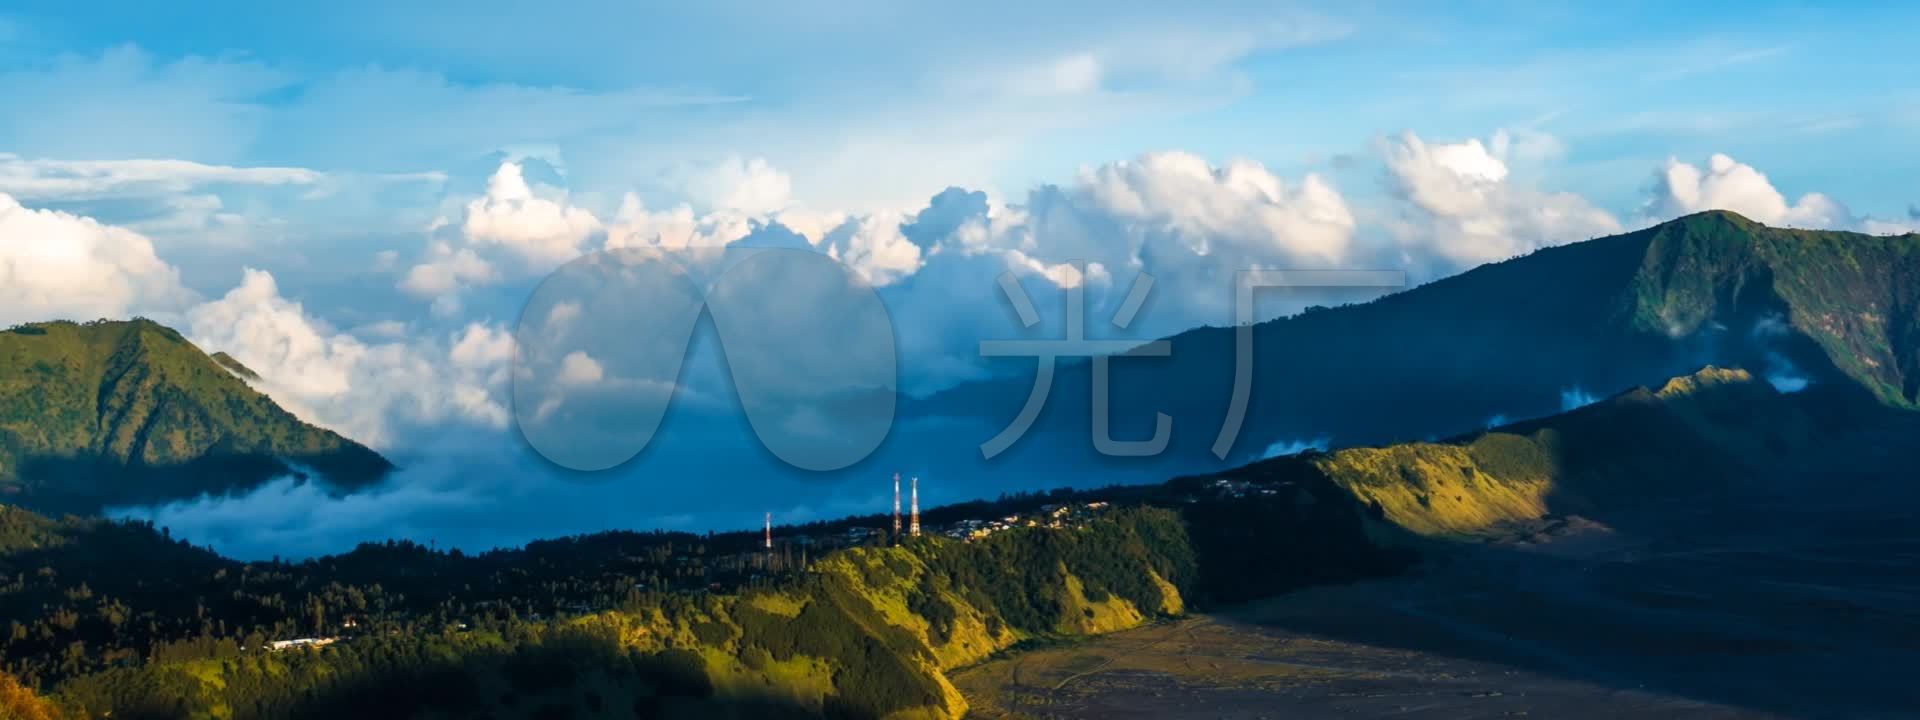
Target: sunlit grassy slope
<point>866,633</point>
<point>1698,433</point>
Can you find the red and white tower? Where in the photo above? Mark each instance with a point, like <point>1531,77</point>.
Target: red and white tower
<point>896,506</point>
<point>914,526</point>
<point>769,531</point>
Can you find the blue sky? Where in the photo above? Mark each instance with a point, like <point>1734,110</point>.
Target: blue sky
<point>1817,95</point>
<point>356,198</point>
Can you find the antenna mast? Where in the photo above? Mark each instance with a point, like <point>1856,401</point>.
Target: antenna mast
<point>915,526</point>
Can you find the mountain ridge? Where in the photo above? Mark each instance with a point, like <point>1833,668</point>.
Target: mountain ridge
<point>1508,339</point>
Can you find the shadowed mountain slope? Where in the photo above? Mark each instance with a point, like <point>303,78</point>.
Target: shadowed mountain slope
<point>1512,339</point>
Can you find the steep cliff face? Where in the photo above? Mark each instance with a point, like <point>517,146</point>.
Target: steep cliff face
<point>114,413</point>
<point>1855,297</point>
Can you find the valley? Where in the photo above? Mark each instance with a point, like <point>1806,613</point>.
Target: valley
<point>1763,607</point>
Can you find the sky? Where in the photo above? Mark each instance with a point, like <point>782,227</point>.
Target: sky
<point>358,199</point>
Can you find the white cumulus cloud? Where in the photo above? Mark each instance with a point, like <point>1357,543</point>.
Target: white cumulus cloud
<point>446,269</point>
<point>511,229</point>
<point>580,369</point>
<point>873,247</point>
<point>542,228</point>
<point>369,391</point>
<point>750,186</point>
<point>680,227</point>
<point>1461,207</point>
<point>1681,188</point>
<point>54,265</point>
<point>1179,201</point>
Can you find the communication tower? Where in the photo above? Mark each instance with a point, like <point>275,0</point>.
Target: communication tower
<point>914,526</point>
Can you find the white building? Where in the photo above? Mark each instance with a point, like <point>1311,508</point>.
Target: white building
<point>279,645</point>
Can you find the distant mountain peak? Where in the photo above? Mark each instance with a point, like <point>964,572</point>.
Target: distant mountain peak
<point>129,412</point>
<point>1715,216</point>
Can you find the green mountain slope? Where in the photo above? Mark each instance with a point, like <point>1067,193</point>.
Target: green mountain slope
<point>113,413</point>
<point>1509,338</point>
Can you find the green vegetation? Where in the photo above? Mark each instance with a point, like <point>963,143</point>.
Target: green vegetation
<point>18,702</point>
<point>1855,296</point>
<point>122,413</point>
<point>1449,489</point>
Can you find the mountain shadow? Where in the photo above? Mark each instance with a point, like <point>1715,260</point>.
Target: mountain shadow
<point>1712,539</point>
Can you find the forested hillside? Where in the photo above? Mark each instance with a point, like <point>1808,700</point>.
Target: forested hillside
<point>1856,296</point>
<point>125,413</point>
<point>866,632</point>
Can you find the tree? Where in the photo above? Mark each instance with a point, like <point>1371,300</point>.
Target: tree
<point>19,702</point>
